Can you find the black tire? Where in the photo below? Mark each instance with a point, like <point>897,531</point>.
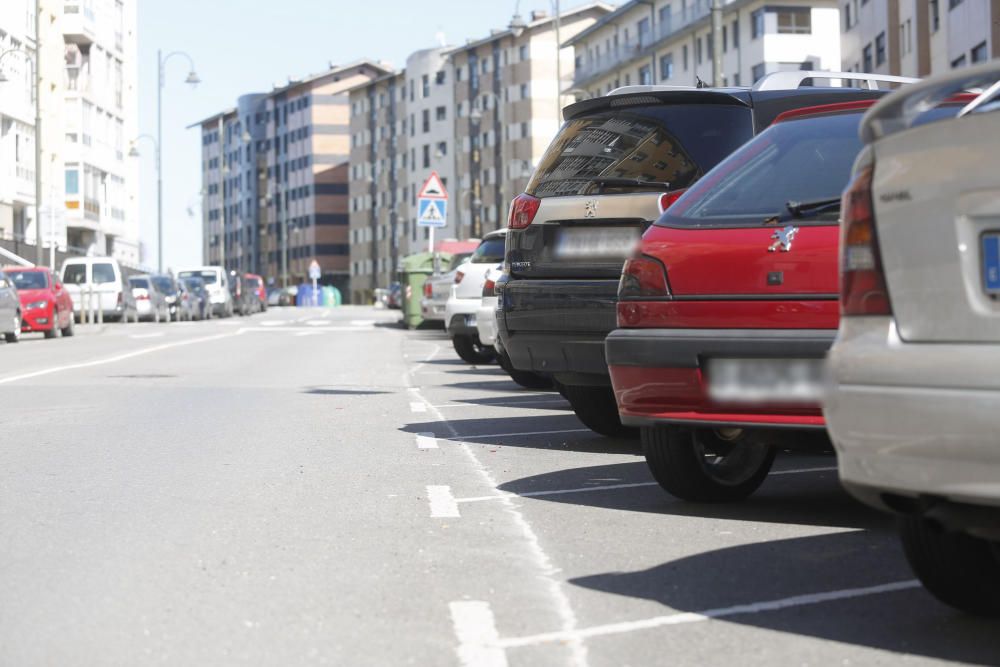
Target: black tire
<point>597,409</point>
<point>704,465</point>
<point>15,335</point>
<point>68,331</point>
<point>472,351</point>
<point>958,569</point>
<point>54,331</point>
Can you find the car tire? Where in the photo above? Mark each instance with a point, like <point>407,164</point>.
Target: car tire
<point>705,465</point>
<point>15,335</point>
<point>960,570</point>
<point>156,317</point>
<point>68,330</point>
<point>596,408</point>
<point>54,331</point>
<point>472,351</point>
<point>526,379</point>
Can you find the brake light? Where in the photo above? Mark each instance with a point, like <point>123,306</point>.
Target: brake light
<point>668,198</point>
<point>458,277</point>
<point>643,278</point>
<point>863,289</point>
<point>121,298</point>
<point>142,297</point>
<point>490,288</point>
<point>522,211</point>
<point>428,290</point>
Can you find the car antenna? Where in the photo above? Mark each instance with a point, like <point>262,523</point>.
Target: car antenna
<point>699,83</point>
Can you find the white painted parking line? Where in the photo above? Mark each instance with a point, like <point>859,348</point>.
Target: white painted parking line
<point>274,323</point>
<point>426,441</point>
<point>707,615</point>
<point>527,404</point>
<point>443,505</point>
<point>318,323</point>
<point>418,407</point>
<point>309,333</point>
<point>363,323</point>
<point>146,335</point>
<point>511,435</point>
<point>477,634</point>
<point>796,471</point>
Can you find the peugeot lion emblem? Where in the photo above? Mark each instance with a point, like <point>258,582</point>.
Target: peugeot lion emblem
<point>783,239</point>
<point>590,209</point>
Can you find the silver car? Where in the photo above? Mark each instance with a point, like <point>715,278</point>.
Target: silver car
<point>915,402</point>
<point>150,302</point>
<point>10,310</point>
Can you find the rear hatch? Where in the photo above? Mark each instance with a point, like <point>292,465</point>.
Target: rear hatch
<point>473,272</point>
<point>764,224</point>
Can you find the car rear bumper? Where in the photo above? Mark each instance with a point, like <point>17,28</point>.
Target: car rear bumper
<point>432,310</point>
<point>573,358</point>
<point>657,374</point>
<point>914,421</point>
<point>486,321</point>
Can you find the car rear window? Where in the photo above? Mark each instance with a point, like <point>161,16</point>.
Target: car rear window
<point>165,285</point>
<point>663,143</point>
<point>489,251</point>
<point>209,277</point>
<point>74,274</point>
<point>139,282</point>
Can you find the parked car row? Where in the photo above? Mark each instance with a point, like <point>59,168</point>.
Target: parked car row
<point>34,299</point>
<point>682,261</point>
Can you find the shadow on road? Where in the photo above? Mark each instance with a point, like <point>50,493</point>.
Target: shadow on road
<point>908,621</point>
<point>320,391</point>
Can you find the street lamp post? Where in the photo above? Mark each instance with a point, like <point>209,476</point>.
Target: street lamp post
<point>36,84</point>
<point>192,78</point>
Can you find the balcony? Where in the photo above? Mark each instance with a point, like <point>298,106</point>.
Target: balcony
<point>78,22</point>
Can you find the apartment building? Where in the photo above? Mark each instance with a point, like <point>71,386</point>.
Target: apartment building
<point>918,37</point>
<point>275,178</point>
<point>88,104</point>
<point>670,42</point>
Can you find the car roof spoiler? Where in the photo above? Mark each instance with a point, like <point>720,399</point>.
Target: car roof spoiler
<point>898,111</point>
<point>794,79</point>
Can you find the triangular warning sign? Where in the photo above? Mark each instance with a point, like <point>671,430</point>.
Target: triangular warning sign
<point>433,188</point>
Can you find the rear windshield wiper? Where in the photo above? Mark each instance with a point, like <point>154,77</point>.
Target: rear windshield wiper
<point>617,182</point>
<point>799,209</point>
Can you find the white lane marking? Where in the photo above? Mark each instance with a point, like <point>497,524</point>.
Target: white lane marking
<point>309,333</point>
<point>363,323</point>
<point>318,323</point>
<point>578,650</point>
<point>511,435</point>
<point>532,494</point>
<point>426,441</point>
<point>430,357</point>
<point>798,470</point>
<point>477,634</point>
<point>111,360</point>
<point>311,330</point>
<point>708,614</point>
<point>146,335</point>
<point>274,323</point>
<point>501,405</point>
<point>443,505</point>
<point>417,407</point>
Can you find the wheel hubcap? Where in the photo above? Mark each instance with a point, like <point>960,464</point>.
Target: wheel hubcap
<point>730,456</point>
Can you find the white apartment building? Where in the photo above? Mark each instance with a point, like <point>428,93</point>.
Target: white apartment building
<point>670,42</point>
<point>918,37</point>
<point>88,105</point>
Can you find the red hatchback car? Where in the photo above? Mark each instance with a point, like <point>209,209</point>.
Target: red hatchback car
<point>45,305</point>
<point>729,306</point>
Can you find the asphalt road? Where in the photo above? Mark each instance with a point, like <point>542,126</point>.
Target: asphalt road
<point>310,487</point>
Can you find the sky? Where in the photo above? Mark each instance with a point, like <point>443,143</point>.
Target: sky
<point>243,46</point>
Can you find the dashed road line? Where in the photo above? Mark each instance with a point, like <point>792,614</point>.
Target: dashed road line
<point>701,616</point>
<point>477,634</point>
<point>526,404</point>
<point>522,433</point>
<point>442,502</point>
<point>426,441</point>
<point>417,406</point>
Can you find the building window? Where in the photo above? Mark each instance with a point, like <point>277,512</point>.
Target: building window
<point>72,182</point>
<point>758,72</point>
<point>794,21</point>
<point>425,85</point>
<point>979,53</point>
<point>645,76</point>
<point>697,50</point>
<point>524,91</point>
<point>880,48</point>
<point>757,24</point>
<point>458,74</point>
<point>426,120</point>
<point>684,56</point>
<point>935,10</point>
<point>667,66</point>
<point>442,148</point>
<point>847,17</point>
<point>866,58</point>
<point>441,113</point>
<point>524,130</point>
<point>427,156</point>
<point>958,62</point>
<point>522,52</point>
<point>665,19</point>
<point>954,3</point>
<point>725,38</point>
<point>644,32</point>
<point>439,77</point>
<point>736,34</point>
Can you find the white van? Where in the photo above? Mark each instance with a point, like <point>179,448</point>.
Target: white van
<point>217,285</point>
<point>101,280</point>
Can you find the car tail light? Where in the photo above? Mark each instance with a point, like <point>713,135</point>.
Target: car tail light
<point>458,277</point>
<point>522,211</point>
<point>121,298</point>
<point>142,297</point>
<point>490,288</point>
<point>668,198</point>
<point>428,290</point>
<point>863,289</point>
<point>643,278</point>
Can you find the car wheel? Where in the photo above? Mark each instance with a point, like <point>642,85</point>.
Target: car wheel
<point>68,331</point>
<point>707,465</point>
<point>14,335</point>
<point>596,408</point>
<point>526,379</point>
<point>472,351</point>
<point>156,316</point>
<point>54,331</point>
<point>958,569</point>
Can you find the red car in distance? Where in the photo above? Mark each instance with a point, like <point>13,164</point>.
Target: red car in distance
<point>730,305</point>
<point>256,283</point>
<point>45,305</point>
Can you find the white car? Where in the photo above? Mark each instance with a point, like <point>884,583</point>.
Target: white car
<point>466,297</point>
<point>217,286</point>
<point>437,290</point>
<point>98,284</point>
<point>914,406</point>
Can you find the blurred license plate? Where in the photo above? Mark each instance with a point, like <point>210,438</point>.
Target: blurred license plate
<point>991,262</point>
<point>578,242</point>
<point>766,380</point>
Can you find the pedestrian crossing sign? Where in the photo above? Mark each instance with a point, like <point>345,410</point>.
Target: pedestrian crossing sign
<point>432,212</point>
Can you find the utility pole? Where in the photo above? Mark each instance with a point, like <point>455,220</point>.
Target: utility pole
<point>222,192</point>
<point>39,254</point>
<point>717,43</point>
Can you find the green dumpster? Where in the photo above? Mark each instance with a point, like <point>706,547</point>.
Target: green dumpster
<point>413,273</point>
